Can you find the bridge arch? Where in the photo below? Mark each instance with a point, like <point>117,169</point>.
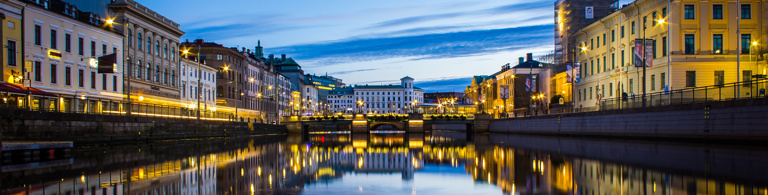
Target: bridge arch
<point>398,125</point>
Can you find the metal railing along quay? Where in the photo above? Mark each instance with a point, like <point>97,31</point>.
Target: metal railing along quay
<point>111,107</point>
<point>722,92</point>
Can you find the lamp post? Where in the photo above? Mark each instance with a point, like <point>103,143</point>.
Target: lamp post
<point>661,21</point>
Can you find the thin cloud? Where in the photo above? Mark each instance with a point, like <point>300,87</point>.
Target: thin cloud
<point>354,71</point>
<point>454,44</point>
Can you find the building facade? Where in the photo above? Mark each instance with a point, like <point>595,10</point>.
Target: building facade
<point>61,44</point>
<point>342,100</point>
<point>386,99</point>
<point>704,45</point>
<point>572,15</point>
<point>192,90</point>
<point>151,45</point>
<point>11,36</point>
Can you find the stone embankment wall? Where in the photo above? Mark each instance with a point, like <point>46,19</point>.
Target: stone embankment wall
<point>29,125</point>
<point>733,120</point>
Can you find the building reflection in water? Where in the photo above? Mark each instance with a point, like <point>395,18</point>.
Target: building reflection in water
<point>289,166</point>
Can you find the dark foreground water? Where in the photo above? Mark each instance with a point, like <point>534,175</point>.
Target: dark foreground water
<point>439,162</point>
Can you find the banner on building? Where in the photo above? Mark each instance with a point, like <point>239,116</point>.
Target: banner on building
<point>504,90</point>
<point>530,83</point>
<point>589,12</point>
<point>640,50</point>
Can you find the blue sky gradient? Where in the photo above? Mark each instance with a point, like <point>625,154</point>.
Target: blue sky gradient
<point>440,43</point>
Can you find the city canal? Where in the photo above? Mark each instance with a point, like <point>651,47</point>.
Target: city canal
<point>438,162</point>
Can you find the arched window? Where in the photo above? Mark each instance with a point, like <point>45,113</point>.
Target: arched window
<point>173,54</point>
<point>157,73</point>
<point>219,91</point>
<point>138,69</point>
<point>138,42</point>
<point>165,51</point>
<point>130,38</point>
<point>173,78</point>
<point>149,44</point>
<point>165,76</point>
<point>149,71</point>
<point>157,47</point>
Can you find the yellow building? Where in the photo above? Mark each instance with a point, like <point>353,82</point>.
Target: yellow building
<point>704,39</point>
<point>11,33</point>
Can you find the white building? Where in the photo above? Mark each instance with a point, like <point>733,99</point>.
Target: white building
<point>190,90</point>
<point>379,99</point>
<point>59,45</point>
<point>309,101</point>
<point>342,100</point>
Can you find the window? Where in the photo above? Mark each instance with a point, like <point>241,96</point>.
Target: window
<point>654,49</point>
<point>622,31</point>
<point>746,40</point>
<point>138,41</point>
<point>719,78</point>
<point>138,69</point>
<point>53,39</point>
<point>591,67</point>
<point>590,93</point>
<point>664,46</point>
<point>653,82</point>
<point>130,37</point>
<point>746,77</point>
<point>610,89</point>
<point>633,27</point>
<point>103,48</point>
<point>746,11</point>
<point>93,48</point>
<point>717,11</point>
<point>68,43</point>
<point>604,39</point>
<point>157,47</point>
<point>104,82</point>
<point>149,44</point>
<point>80,81</point>
<point>114,82</point>
<point>613,61</point>
<point>157,73</point>
<point>149,71</point>
<point>598,41</point>
<point>631,86</point>
<point>11,53</point>
<point>93,80</point>
<point>53,73</point>
<point>38,72</point>
<point>80,43</point>
<point>664,12</point>
<point>690,12</point>
<point>689,44</point>
<point>663,81</point>
<point>622,58</point>
<point>68,75</point>
<point>165,51</point>
<point>613,35</point>
<point>653,18</point>
<point>592,43</point>
<point>717,43</point>
<point>38,42</point>
<point>690,78</point>
<point>605,63</point>
<point>598,65</point>
<point>219,57</point>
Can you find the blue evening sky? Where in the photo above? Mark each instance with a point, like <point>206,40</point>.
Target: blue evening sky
<point>440,43</point>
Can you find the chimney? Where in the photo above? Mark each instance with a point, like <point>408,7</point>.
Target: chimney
<point>522,60</point>
<point>528,56</point>
<point>248,51</point>
<point>283,57</point>
<point>243,50</point>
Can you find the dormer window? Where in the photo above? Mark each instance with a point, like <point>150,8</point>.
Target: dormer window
<point>73,12</point>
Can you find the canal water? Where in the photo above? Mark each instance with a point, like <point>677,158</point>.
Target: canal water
<point>387,163</point>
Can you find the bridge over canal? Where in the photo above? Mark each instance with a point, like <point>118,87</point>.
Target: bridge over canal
<point>410,123</point>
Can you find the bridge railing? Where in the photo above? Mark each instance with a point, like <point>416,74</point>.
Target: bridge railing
<point>723,92</point>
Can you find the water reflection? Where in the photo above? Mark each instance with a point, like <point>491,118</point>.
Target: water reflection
<point>439,162</point>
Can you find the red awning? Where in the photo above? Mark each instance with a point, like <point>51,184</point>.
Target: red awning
<point>16,88</point>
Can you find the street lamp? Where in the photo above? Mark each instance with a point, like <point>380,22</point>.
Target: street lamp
<point>661,21</point>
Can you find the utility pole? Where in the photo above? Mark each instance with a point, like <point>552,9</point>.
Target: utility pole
<point>197,91</point>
